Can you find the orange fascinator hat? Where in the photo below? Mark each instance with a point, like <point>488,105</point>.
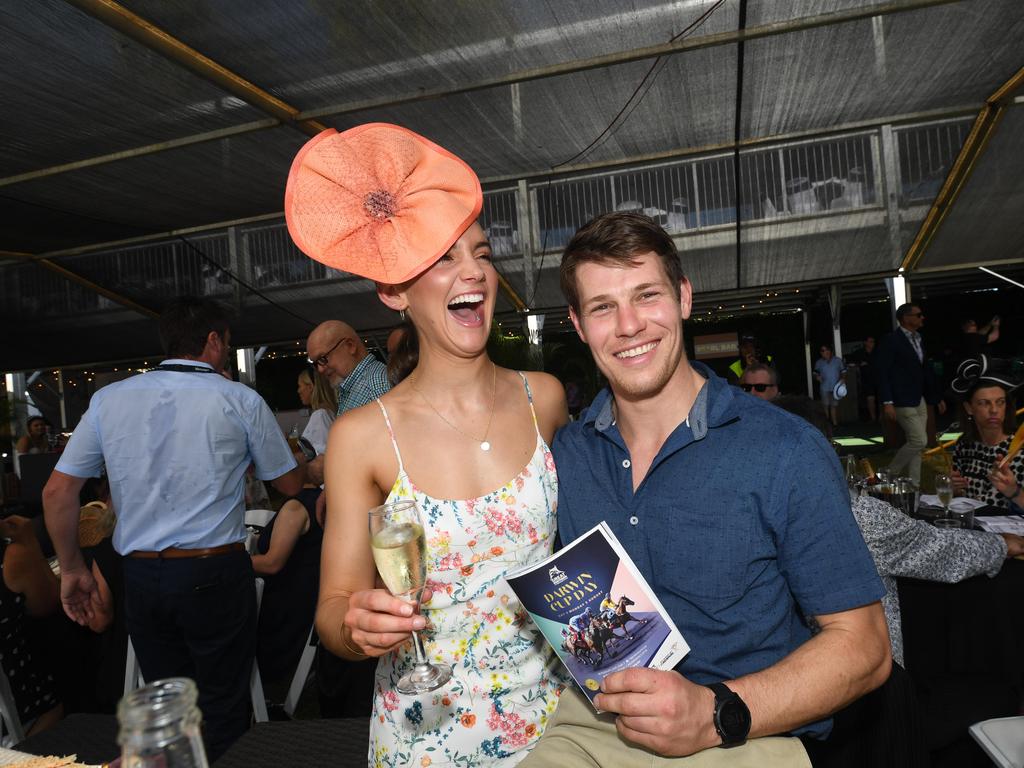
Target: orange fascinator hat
<point>378,201</point>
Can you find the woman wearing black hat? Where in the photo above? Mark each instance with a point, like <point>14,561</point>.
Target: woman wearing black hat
<point>988,418</point>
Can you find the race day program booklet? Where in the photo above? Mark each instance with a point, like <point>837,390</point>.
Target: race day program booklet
<point>597,611</point>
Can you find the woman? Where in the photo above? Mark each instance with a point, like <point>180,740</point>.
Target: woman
<point>28,589</point>
<point>35,439</point>
<point>988,420</point>
<point>288,559</point>
<point>317,394</point>
<point>467,440</point>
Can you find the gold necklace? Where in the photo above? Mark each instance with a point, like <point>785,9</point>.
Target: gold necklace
<point>484,444</point>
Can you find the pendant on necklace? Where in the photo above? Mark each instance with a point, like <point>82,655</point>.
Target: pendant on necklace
<point>485,446</point>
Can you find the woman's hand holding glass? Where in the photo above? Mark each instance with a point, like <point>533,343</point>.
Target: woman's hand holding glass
<point>399,546</point>
<point>959,483</point>
<point>378,622</point>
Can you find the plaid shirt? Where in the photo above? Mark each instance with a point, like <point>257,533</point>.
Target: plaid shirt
<point>368,381</point>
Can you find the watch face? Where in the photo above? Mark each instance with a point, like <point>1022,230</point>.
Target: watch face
<point>735,718</point>
<point>733,721</point>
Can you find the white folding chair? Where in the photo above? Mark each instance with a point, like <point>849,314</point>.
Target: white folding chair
<point>301,675</point>
<point>132,670</point>
<point>255,521</point>
<point>1002,738</point>
<point>259,517</point>
<point>11,731</point>
<point>259,703</point>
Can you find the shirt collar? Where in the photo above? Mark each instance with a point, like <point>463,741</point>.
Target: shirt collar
<point>182,361</point>
<point>354,376</point>
<point>714,406</point>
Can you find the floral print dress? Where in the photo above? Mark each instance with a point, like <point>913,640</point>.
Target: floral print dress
<point>506,681</point>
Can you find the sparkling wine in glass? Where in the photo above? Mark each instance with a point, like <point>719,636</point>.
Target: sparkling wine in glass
<point>944,490</point>
<point>399,549</point>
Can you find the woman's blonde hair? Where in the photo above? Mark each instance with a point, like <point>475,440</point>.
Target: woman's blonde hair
<point>324,395</point>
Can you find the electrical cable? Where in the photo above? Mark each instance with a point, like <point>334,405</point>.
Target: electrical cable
<point>634,100</point>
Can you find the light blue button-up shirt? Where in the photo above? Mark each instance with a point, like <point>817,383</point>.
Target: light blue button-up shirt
<point>176,446</point>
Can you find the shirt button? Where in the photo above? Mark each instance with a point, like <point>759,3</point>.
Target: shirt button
<point>634,520</point>
<point>625,464</point>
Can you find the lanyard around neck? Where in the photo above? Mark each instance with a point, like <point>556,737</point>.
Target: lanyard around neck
<point>178,367</point>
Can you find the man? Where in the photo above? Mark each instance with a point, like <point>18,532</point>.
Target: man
<point>735,512</point>
<point>907,387</point>
<point>750,354</point>
<point>975,341</point>
<point>829,370</point>
<point>176,443</point>
<point>761,381</point>
<point>335,349</point>
<point>864,360</point>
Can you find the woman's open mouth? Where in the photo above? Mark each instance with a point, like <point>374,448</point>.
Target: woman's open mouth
<point>467,309</point>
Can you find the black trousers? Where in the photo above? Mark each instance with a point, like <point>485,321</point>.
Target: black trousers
<point>196,618</point>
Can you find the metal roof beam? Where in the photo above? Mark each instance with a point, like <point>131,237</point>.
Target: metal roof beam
<point>138,29</point>
<point>636,54</point>
<point>123,20</point>
<point>149,149</point>
<point>973,148</point>
<point>96,287</point>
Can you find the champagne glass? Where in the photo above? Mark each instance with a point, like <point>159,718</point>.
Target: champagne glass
<point>944,490</point>
<point>399,549</point>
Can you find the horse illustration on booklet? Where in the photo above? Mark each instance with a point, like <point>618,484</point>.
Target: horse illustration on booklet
<point>570,597</point>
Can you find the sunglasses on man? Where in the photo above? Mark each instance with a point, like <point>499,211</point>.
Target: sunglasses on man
<point>755,387</point>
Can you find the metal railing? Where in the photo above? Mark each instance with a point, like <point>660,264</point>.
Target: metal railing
<point>815,177</point>
<point>926,153</point>
<point>803,178</point>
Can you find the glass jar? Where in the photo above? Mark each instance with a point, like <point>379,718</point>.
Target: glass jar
<point>160,726</point>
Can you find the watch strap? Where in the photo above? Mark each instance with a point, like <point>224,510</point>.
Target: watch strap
<point>725,698</point>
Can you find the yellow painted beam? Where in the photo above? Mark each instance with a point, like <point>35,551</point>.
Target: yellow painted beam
<point>973,148</point>
<point>137,28</point>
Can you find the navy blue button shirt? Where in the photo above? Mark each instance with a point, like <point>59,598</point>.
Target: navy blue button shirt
<point>742,525</point>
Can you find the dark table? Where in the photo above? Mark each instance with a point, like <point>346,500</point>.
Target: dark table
<point>962,645</point>
<point>975,626</point>
<point>92,737</point>
<point>338,743</point>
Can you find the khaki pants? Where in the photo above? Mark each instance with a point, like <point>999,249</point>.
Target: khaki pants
<point>577,736</point>
<point>914,423</point>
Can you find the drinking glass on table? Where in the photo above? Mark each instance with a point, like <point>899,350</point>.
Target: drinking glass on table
<point>400,549</point>
<point>944,490</point>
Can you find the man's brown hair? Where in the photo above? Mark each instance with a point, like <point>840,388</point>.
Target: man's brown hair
<point>617,239</point>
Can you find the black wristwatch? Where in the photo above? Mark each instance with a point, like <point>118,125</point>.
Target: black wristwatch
<point>732,718</point>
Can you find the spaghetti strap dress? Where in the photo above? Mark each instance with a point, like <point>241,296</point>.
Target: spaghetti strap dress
<point>506,681</point>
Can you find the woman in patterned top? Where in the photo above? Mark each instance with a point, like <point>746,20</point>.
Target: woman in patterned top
<point>464,438</point>
<point>988,418</point>
<point>28,589</point>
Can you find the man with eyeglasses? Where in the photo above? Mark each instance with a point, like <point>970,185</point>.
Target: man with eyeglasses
<point>907,387</point>
<point>334,348</point>
<point>336,351</point>
<point>761,381</point>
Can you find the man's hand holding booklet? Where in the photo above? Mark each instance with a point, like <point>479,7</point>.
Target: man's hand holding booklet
<point>597,611</point>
